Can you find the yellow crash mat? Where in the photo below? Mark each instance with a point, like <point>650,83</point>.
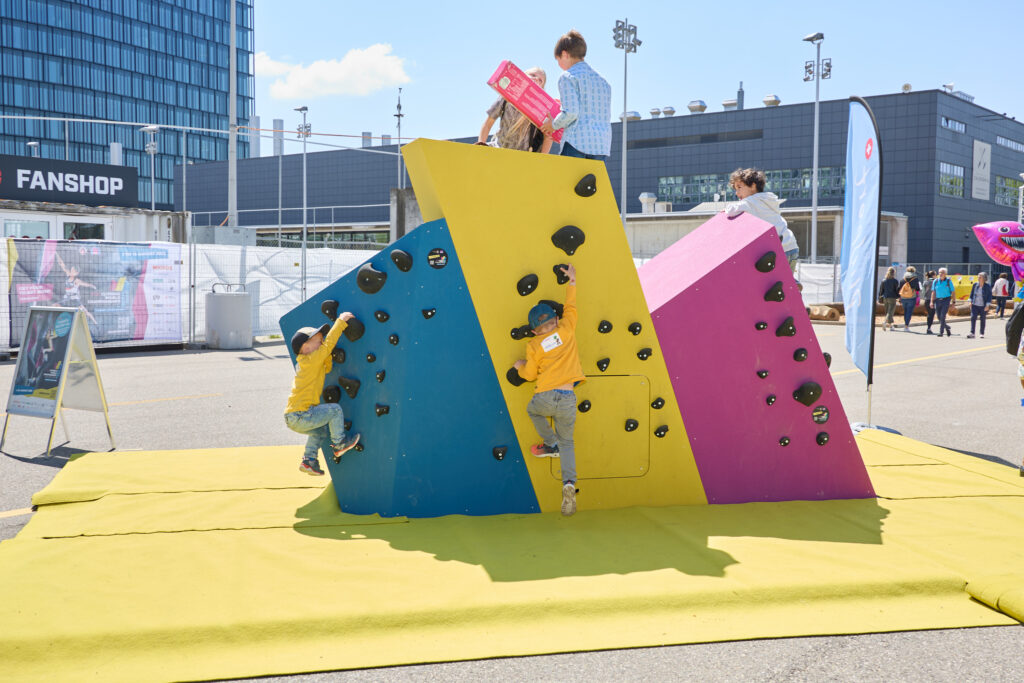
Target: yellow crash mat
<point>215,580</point>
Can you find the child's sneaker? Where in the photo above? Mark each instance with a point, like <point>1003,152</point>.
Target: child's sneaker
<point>569,499</point>
<point>348,444</point>
<point>311,467</point>
<point>542,450</point>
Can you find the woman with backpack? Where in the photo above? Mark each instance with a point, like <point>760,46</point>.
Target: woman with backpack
<point>981,296</point>
<point>908,295</point>
<point>888,293</point>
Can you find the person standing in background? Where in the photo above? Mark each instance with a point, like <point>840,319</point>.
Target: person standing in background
<point>926,298</point>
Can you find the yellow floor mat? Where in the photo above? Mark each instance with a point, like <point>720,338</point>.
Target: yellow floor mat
<point>185,580</point>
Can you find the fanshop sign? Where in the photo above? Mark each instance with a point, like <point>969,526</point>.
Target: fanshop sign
<point>67,182</point>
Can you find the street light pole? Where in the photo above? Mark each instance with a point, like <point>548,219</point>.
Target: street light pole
<point>151,148</point>
<point>813,71</point>
<point>304,134</point>
<point>398,146</point>
<point>33,148</point>
<point>1020,200</point>
<point>626,40</point>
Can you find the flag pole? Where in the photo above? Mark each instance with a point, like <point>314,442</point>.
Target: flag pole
<point>878,237</point>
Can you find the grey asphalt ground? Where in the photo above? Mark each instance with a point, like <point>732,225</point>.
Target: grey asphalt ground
<point>954,392</point>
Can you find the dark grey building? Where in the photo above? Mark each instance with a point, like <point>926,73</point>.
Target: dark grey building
<point>162,62</point>
<point>948,164</point>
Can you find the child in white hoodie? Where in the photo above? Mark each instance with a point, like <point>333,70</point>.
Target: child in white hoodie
<point>749,186</point>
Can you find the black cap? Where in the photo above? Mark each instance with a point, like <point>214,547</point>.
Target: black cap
<point>303,335</point>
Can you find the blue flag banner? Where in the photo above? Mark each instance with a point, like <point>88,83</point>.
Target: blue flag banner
<point>858,261</point>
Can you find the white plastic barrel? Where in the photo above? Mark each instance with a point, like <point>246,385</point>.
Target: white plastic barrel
<point>228,317</point>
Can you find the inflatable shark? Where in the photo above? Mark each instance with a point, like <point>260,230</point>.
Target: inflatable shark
<point>1003,241</point>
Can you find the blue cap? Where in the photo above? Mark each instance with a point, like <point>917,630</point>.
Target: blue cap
<point>540,314</point>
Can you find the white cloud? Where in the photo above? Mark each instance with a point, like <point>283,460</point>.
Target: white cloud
<point>359,72</point>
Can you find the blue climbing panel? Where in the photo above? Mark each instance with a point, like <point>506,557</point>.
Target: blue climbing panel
<point>433,452</point>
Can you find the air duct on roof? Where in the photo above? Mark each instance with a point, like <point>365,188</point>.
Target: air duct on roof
<point>729,105</point>
<point>668,111</point>
<point>655,112</point>
<point>771,101</point>
<point>697,106</point>
<point>631,116</point>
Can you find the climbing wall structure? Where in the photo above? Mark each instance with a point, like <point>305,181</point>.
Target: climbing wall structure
<point>762,413</point>
<point>443,313</point>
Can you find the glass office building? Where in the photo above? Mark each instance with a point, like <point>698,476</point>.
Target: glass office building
<point>162,62</point>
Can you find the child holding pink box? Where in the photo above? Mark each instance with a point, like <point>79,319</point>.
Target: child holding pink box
<point>586,103</point>
<point>516,131</point>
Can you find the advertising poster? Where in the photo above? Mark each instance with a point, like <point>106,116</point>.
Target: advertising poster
<point>126,291</point>
<point>41,363</point>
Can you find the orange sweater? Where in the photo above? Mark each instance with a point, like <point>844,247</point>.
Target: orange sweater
<point>552,359</point>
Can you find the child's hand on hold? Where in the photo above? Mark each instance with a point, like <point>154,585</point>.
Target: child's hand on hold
<point>518,365</point>
<point>546,127</point>
<point>570,270</point>
<point>346,316</point>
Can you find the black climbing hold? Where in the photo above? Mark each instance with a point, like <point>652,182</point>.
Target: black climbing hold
<point>661,431</point>
<point>602,364</point>
<point>631,425</point>
<point>355,329</point>
<point>584,406</point>
<point>381,409</point>
<point>658,403</point>
<point>587,186</point>
<point>499,452</point>
<point>766,263</point>
<point>338,355</point>
<point>521,332</point>
<point>330,309</point>
<point>800,354</point>
<point>808,393</point>
<point>348,425</point>
<point>762,373</point>
<point>380,375</point>
<point>820,415</point>
<point>393,339</point>
<point>560,275</point>
<point>369,279</point>
<point>568,239</point>
<point>786,329</point>
<point>558,308</point>
<point>513,377</point>
<point>370,357</point>
<point>359,447</point>
<point>760,325</point>
<point>822,438</point>
<point>381,316</point>
<point>828,359</point>
<point>351,386</point>
<point>402,259</point>
<point>775,293</point>
<point>332,394</point>
<point>604,327</point>
<point>644,353</point>
<point>784,441</point>
<point>428,313</point>
<point>635,328</point>
<point>770,400</point>
<point>527,284</point>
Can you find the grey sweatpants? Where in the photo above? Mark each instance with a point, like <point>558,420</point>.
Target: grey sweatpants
<point>560,405</point>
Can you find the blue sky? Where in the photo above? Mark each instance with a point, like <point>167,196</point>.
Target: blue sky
<point>346,60</point>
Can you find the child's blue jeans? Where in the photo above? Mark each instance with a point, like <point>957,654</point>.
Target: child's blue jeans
<point>560,405</point>
<point>324,424</point>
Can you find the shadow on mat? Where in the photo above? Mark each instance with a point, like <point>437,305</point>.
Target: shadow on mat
<point>591,543</point>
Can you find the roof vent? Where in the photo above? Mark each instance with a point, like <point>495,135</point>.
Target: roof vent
<point>631,116</point>
<point>668,111</point>
<point>729,105</point>
<point>655,112</point>
<point>771,101</point>
<point>697,106</point>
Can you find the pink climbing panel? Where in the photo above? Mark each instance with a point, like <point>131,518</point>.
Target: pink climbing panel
<point>706,297</point>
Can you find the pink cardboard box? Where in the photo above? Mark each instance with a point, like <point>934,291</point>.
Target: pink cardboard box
<point>521,92</point>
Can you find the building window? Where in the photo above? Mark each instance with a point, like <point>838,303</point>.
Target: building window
<point>951,180</point>
<point>83,231</point>
<point>792,183</point>
<point>953,125</point>
<point>1007,190</point>
<point>27,229</point>
<point>1012,144</point>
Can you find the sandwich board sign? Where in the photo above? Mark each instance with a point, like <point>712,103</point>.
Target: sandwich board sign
<point>56,369</point>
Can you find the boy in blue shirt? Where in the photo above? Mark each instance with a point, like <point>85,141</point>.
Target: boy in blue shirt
<point>586,101</point>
